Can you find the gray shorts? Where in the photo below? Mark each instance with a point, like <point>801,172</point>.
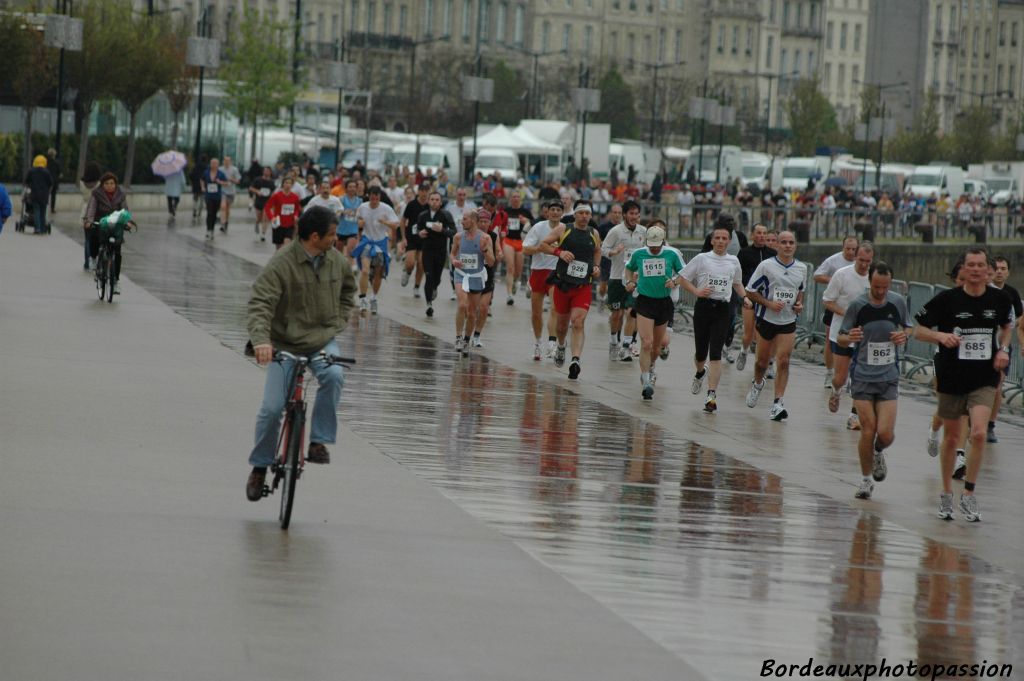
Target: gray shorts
<point>229,198</point>
<point>875,391</point>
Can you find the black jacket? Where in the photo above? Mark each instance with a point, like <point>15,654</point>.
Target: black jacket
<point>40,182</point>
<point>436,240</point>
<point>750,257</point>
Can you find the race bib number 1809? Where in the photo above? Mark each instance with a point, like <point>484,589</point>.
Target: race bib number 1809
<point>469,261</point>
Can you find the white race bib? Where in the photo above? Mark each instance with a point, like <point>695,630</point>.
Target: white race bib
<point>628,254</point>
<point>288,209</point>
<point>350,214</point>
<point>881,354</point>
<point>976,346</point>
<point>719,284</point>
<point>578,269</point>
<point>265,191</point>
<point>470,261</point>
<point>787,296</point>
<point>654,268</point>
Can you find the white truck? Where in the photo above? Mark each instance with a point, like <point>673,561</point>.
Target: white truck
<point>797,171</point>
<point>930,180</point>
<point>623,153</point>
<point>757,170</point>
<point>713,164</point>
<point>430,157</point>
<point>504,161</point>
<point>1003,179</point>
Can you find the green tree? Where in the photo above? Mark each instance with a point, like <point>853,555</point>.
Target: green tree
<point>617,107</point>
<point>811,118</point>
<point>29,69</point>
<point>920,144</point>
<point>91,70</point>
<point>179,90</point>
<point>972,140</point>
<point>510,96</point>
<point>257,74</point>
<point>148,67</point>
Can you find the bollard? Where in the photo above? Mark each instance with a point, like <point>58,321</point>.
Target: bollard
<point>802,230</point>
<point>979,231</point>
<point>927,232</point>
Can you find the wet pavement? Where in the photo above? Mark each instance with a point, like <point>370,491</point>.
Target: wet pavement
<point>723,540</point>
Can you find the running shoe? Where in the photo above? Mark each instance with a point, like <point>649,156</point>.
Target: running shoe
<point>536,352</point>
<point>624,354</point>
<point>663,353</point>
<point>829,373</point>
<point>453,296</point>
<point>730,356</point>
<point>415,291</point>
<point>933,442</point>
<point>574,369</point>
<point>991,435</point>
<point>515,287</point>
<point>430,310</point>
<point>552,348</point>
<point>477,343</point>
<point>634,349</point>
<point>117,288</point>
<point>710,404</point>
<point>654,377</point>
<point>405,278</point>
<point>648,391</point>
<point>613,350</point>
<point>741,360</point>
<point>770,373</point>
<point>373,306</point>
<point>529,293</point>
<point>946,505</point>
<point>833,399</point>
<point>754,393</point>
<point>465,349</point>
<point>852,422</point>
<point>969,508</point>
<point>878,468</point>
<point>865,489</point>
<point>961,465</point>
<point>559,356</point>
<point>510,301</point>
<point>459,343</point>
<point>364,305</point>
<point>778,412</point>
<point>698,381</point>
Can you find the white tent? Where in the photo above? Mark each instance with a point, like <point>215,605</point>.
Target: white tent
<point>501,137</point>
<point>552,132</point>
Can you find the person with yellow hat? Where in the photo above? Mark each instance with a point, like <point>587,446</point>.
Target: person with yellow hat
<point>39,183</point>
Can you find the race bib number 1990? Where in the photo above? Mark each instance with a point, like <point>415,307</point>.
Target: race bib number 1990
<point>785,295</point>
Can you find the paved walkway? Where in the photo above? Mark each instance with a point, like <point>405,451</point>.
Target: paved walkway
<point>461,533</point>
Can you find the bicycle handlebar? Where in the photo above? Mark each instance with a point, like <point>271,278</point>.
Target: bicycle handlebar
<point>281,355</point>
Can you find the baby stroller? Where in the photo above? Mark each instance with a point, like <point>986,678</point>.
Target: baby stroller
<point>27,218</point>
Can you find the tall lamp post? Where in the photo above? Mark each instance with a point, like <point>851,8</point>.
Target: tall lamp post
<point>654,105</point>
<point>534,107</point>
<point>63,32</point>
<point>879,125</point>
<point>585,100</point>
<point>343,76</point>
<point>203,52</point>
<point>412,75</point>
<point>772,77</point>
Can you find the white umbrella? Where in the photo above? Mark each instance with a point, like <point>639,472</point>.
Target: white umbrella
<point>169,163</point>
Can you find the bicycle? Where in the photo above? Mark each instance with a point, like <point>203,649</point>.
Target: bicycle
<point>290,460</point>
<point>104,272</point>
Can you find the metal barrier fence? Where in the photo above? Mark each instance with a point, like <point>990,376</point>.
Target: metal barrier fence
<point>917,355</point>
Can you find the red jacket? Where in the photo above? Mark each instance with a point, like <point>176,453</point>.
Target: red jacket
<point>285,206</point>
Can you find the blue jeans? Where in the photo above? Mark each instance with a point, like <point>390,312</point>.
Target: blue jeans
<point>39,215</point>
<point>325,421</point>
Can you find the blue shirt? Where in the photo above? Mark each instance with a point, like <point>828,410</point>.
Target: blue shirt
<point>212,188</point>
<point>5,206</point>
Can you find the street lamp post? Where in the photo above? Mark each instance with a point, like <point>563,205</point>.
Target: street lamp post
<point>296,45</point>
<point>65,33</point>
<point>654,107</point>
<point>534,107</point>
<point>772,77</point>
<point>584,101</point>
<point>202,52</point>
<point>881,125</point>
<point>412,73</point>
<point>342,76</point>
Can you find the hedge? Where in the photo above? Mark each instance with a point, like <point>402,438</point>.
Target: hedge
<point>107,150</point>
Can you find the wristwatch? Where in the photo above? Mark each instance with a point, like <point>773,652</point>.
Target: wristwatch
<point>1006,349</point>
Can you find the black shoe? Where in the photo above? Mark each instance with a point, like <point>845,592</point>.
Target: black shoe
<point>991,436</point>
<point>430,310</point>
<point>574,369</point>
<point>254,487</point>
<point>318,453</point>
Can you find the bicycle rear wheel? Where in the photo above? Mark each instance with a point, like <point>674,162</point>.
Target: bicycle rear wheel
<point>290,472</point>
<point>100,275</point>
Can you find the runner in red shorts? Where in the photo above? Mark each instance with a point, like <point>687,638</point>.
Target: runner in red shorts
<point>542,266</point>
<point>578,249</point>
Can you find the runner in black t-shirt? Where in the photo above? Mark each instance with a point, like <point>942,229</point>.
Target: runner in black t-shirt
<point>260,190</point>
<point>409,238</point>
<point>614,217</point>
<point>1000,273</point>
<point>520,219</point>
<point>972,326</point>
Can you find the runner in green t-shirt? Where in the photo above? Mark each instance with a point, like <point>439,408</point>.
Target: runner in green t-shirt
<point>652,272</point>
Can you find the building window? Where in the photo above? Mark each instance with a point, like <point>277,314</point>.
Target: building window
<point>662,39</point>
<point>842,36</point>
<point>935,68</point>
<point>613,44</point>
<point>782,63</point>
<point>856,38</point>
<point>679,45</point>
<point>388,10</point>
<point>721,39</point>
<point>428,17</point>
<point>321,24</point>
<point>371,16</point>
<point>467,18</point>
<point>770,48</point>
<point>841,80</point>
<point>811,68</point>
<point>588,40</point>
<point>334,26</point>
<point>855,77</point>
<point>545,36</point>
<point>403,19</point>
<point>750,42</point>
<point>735,39</point>
<point>630,46</point>
<point>796,62</point>
<point>938,19</point>
<point>352,16</point>
<point>1002,33</point>
<point>567,37</point>
<point>1013,34</point>
<point>826,81</point>
<point>828,35</point>
<point>517,27</point>
<point>975,39</point>
<point>446,29</point>
<point>485,20</point>
<point>500,28</point>
<point>771,11</point>
<point>785,14</point>
<point>679,5</point>
<point>1012,83</point>
<point>799,15</point>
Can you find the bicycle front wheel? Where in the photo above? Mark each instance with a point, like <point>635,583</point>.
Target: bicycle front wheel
<point>101,275</point>
<point>110,277</point>
<point>290,476</point>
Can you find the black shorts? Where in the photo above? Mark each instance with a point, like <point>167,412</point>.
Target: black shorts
<point>606,269</point>
<point>826,318</point>
<point>769,331</point>
<point>658,309</point>
<point>489,284</point>
<point>413,242</point>
<point>279,234</point>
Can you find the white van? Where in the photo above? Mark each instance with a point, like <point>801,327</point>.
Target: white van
<point>713,164</point>
<point>757,170</point>
<point>936,179</point>
<point>798,170</point>
<point>504,161</point>
<point>430,157</point>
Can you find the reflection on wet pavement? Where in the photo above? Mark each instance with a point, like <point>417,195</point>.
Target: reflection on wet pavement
<point>720,562</point>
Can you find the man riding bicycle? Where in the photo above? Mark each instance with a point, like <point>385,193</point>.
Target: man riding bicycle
<point>301,300</point>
